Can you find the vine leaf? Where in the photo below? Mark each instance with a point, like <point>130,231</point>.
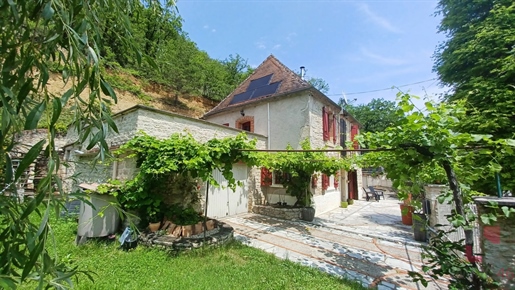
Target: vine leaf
<point>31,155</point>
<point>34,116</point>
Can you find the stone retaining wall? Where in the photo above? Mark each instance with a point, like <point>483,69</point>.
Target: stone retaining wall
<point>277,212</point>
<point>225,234</point>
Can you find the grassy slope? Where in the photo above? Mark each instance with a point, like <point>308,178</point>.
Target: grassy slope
<point>233,266</point>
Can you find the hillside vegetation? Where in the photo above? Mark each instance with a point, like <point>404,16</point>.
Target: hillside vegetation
<point>174,63</point>
<point>167,72</point>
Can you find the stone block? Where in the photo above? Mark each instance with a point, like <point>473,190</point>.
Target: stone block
<point>177,231</point>
<point>198,228</point>
<point>166,225</point>
<point>210,224</point>
<point>171,228</point>
<point>187,231</point>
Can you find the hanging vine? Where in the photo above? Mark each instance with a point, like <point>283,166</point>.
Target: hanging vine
<point>300,167</point>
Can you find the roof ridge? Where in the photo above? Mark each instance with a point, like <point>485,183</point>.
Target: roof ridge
<point>289,81</point>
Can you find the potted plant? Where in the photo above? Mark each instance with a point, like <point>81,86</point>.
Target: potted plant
<point>344,204</point>
<point>154,220</point>
<point>350,201</point>
<point>419,226</point>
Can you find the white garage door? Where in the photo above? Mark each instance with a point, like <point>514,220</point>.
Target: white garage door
<point>223,201</point>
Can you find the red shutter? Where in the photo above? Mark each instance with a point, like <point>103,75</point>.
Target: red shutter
<point>325,182</point>
<point>266,177</point>
<point>325,123</point>
<point>314,181</point>
<point>334,129</point>
<point>353,133</point>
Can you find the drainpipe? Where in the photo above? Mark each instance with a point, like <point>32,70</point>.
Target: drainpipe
<point>114,175</point>
<point>268,124</point>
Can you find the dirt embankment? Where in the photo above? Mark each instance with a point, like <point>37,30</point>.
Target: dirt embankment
<point>158,97</point>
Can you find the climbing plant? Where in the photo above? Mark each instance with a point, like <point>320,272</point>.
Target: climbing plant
<point>160,159</point>
<point>300,167</point>
<point>424,146</point>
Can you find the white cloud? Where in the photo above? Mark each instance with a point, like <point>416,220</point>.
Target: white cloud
<point>261,45</point>
<point>206,26</point>
<point>379,59</point>
<point>382,22</point>
<point>213,30</point>
<point>291,36</point>
<point>277,46</point>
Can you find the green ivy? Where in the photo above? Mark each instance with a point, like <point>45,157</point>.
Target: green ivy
<point>301,166</point>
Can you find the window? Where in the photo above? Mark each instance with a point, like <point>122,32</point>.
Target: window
<point>246,126</point>
<point>245,123</point>
<point>226,124</point>
<point>278,177</point>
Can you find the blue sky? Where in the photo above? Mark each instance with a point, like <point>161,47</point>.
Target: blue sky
<point>355,46</point>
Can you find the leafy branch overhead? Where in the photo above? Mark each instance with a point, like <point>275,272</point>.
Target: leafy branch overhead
<point>183,154</point>
<point>300,166</point>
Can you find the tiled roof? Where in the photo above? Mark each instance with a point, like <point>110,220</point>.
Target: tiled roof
<point>282,77</point>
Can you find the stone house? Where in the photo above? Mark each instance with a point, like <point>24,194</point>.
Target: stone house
<point>276,102</point>
<point>273,105</point>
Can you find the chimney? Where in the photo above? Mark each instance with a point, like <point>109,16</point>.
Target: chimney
<point>302,72</point>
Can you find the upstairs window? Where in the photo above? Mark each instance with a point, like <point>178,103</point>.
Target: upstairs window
<point>246,126</point>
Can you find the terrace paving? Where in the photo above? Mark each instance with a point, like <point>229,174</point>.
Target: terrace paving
<point>365,242</point>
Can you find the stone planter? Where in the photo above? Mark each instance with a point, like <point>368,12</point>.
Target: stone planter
<point>497,240</point>
<point>308,214</point>
<point>419,227</point>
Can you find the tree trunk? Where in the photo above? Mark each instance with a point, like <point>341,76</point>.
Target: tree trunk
<point>458,200</point>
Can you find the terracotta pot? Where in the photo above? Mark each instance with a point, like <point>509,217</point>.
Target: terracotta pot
<point>154,227</point>
<point>407,214</point>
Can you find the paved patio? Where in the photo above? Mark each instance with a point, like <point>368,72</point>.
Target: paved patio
<point>365,242</point>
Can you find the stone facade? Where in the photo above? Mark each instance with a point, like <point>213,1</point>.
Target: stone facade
<point>498,241</point>
<point>154,122</point>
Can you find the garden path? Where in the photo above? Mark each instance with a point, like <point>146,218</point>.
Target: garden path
<point>365,242</point>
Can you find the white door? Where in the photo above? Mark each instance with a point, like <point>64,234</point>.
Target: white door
<point>222,200</point>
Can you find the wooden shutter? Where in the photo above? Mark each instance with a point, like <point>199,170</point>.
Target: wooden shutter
<point>334,129</point>
<point>325,123</point>
<point>325,182</point>
<point>314,181</point>
<point>353,133</point>
<point>266,177</point>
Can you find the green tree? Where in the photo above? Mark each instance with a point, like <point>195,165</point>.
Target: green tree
<point>423,147</point>
<point>319,84</point>
<point>375,116</point>
<point>478,62</point>
<point>36,35</point>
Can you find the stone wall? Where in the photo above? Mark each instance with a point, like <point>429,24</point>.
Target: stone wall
<point>160,124</point>
<point>278,212</point>
<point>498,241</point>
<point>440,211</point>
<point>373,180</point>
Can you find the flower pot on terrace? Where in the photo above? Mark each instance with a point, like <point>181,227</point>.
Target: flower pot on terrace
<point>406,212</point>
<point>308,214</point>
